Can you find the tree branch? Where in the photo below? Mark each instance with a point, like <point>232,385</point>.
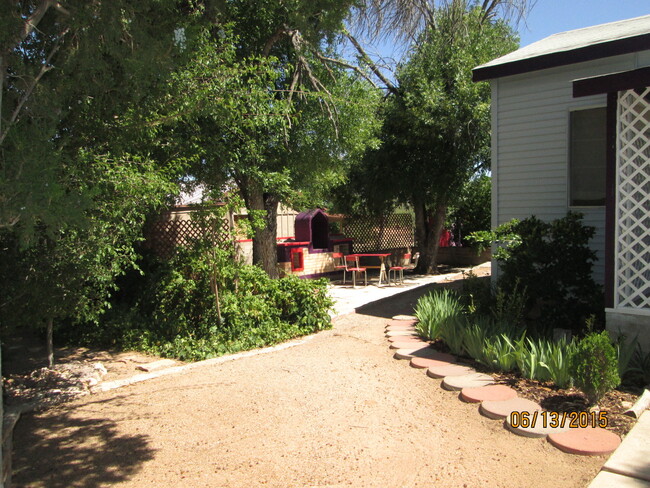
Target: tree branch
<point>373,67</point>
<point>44,69</point>
<point>346,65</point>
<point>282,31</point>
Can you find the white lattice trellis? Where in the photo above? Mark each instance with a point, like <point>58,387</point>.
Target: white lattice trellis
<point>632,263</point>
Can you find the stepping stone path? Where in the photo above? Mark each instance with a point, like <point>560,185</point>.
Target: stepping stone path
<point>401,323</point>
<point>419,352</point>
<point>498,402</point>
<point>445,370</point>
<point>589,441</point>
<point>490,392</point>
<point>473,380</point>
<point>409,345</point>
<point>412,330</point>
<point>499,410</point>
<point>424,363</point>
<point>405,339</point>
<point>393,333</point>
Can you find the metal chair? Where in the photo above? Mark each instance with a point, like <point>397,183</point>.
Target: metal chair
<point>412,265</point>
<point>339,263</point>
<point>405,261</point>
<point>355,269</point>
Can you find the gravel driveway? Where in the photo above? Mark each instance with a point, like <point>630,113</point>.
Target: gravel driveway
<point>335,411</point>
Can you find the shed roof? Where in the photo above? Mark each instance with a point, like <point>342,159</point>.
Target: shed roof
<point>598,41</point>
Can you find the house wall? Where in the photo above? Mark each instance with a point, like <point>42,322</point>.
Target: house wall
<point>530,143</point>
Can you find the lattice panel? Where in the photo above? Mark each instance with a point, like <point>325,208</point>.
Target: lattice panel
<point>633,200</point>
<point>392,232</point>
<point>164,236</point>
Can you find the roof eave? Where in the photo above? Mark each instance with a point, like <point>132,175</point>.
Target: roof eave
<point>563,58</point>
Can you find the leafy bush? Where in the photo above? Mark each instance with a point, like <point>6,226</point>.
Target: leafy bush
<point>554,262</point>
<point>594,366</point>
<point>178,314</point>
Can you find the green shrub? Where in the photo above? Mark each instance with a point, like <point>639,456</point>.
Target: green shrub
<point>594,366</point>
<point>477,294</point>
<point>554,262</point>
<point>177,313</point>
<point>439,314</point>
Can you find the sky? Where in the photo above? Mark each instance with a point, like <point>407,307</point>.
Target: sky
<point>552,16</point>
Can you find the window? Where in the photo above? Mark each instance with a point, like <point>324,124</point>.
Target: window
<point>587,157</point>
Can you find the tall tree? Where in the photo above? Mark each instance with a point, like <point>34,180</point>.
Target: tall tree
<point>437,121</point>
<point>68,69</point>
<point>74,185</point>
<point>271,108</point>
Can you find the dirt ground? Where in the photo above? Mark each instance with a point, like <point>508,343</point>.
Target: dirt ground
<point>335,411</point>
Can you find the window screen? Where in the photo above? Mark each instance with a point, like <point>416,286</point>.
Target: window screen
<point>587,160</point>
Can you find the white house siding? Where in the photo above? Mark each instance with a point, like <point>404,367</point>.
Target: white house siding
<point>530,138</point>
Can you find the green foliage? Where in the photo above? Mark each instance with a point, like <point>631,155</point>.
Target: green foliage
<point>471,210</point>
<point>436,125</point>
<point>554,262</point>
<point>176,314</point>
<point>625,351</point>
<point>494,338</point>
<point>504,235</point>
<point>557,362</point>
<point>594,366</point>
<point>638,370</point>
<point>66,78</point>
<point>500,353</point>
<point>69,272</point>
<point>440,314</point>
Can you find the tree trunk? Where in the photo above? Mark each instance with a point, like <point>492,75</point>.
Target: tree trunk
<point>265,252</point>
<point>50,343</point>
<point>428,228</point>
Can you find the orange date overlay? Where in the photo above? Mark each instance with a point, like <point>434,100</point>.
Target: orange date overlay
<point>572,420</point>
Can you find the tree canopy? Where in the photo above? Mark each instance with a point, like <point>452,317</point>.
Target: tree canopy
<point>436,124</point>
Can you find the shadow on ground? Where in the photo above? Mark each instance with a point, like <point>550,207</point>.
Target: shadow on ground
<point>85,452</point>
<point>405,302</point>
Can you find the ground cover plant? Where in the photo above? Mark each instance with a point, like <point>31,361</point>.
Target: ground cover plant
<point>591,363</point>
<point>202,303</point>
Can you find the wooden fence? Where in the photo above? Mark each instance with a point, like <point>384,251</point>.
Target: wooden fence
<point>380,234</point>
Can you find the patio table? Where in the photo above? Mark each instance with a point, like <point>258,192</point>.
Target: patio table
<point>382,269</point>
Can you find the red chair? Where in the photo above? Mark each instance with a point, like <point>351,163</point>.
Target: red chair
<point>404,262</point>
<point>352,259</point>
<point>339,263</point>
<point>412,265</point>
